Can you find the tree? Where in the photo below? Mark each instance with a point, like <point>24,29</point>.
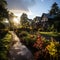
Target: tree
<point>36,23</point>
<point>2,26</point>
<point>54,9</point>
<point>24,20</point>
<point>57,22</point>
<point>3,10</point>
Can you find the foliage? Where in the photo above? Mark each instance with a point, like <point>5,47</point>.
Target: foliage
<point>46,48</point>
<point>51,28</point>
<point>56,24</point>
<point>3,3</point>
<point>52,48</point>
<point>24,20</point>
<point>3,10</point>
<point>23,34</point>
<point>52,34</point>
<point>4,46</point>
<point>27,38</point>
<point>40,44</point>
<point>54,9</point>
<point>2,26</point>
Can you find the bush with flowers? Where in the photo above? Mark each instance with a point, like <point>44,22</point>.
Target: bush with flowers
<point>47,49</point>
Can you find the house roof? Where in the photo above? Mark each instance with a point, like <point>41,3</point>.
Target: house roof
<point>48,15</point>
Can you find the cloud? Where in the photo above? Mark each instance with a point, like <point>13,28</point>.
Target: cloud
<point>22,5</point>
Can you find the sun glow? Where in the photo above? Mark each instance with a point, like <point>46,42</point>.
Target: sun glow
<point>17,14</point>
<point>16,20</point>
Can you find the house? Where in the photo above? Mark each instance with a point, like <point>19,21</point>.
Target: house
<point>47,19</point>
<point>37,19</point>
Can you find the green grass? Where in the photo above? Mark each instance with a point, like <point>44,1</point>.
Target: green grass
<point>53,34</point>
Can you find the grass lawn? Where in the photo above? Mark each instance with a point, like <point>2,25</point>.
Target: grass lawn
<point>53,34</point>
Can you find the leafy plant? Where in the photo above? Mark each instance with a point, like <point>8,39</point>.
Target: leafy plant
<point>4,46</point>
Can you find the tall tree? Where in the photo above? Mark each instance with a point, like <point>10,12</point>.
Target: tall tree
<point>36,22</point>
<point>24,20</point>
<point>54,9</point>
<point>3,10</point>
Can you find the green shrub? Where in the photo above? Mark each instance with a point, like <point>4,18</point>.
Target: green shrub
<point>23,34</point>
<point>4,46</point>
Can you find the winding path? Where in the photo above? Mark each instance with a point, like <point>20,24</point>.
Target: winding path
<point>17,50</point>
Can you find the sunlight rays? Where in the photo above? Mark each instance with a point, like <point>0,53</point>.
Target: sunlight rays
<point>16,20</point>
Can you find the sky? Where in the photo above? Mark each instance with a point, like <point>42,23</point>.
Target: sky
<point>31,7</point>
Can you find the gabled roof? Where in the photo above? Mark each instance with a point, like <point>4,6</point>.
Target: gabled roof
<point>48,15</point>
